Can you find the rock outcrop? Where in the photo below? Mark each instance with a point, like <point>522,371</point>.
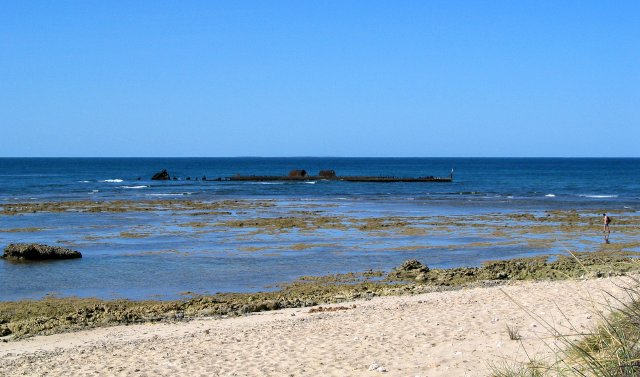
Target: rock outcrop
<point>413,265</point>
<point>161,176</point>
<point>34,251</point>
<point>410,269</point>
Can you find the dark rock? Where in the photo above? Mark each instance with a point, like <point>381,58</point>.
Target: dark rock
<point>161,176</point>
<point>188,178</point>
<point>33,251</point>
<point>298,173</point>
<point>204,177</point>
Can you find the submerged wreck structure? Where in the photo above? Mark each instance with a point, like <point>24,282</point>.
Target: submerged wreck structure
<point>330,175</point>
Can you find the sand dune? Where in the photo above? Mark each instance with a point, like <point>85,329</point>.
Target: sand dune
<point>457,333</point>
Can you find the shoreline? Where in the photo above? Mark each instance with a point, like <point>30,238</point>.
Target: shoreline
<point>456,332</point>
<point>20,319</point>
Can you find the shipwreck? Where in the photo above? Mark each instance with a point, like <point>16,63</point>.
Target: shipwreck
<point>330,175</point>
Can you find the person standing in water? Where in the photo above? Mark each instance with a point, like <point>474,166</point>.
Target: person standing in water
<point>606,220</point>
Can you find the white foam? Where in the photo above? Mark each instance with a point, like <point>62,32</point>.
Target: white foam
<point>598,196</point>
<point>134,187</point>
<point>83,181</point>
<point>550,195</point>
<point>311,182</point>
<point>116,180</point>
<point>172,194</point>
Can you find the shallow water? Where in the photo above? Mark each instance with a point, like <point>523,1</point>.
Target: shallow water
<point>159,254</point>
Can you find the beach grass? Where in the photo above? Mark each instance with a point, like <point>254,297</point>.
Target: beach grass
<point>612,349</point>
<point>514,333</point>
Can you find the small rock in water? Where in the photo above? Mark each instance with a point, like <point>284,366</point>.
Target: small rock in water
<point>34,251</point>
<point>161,176</point>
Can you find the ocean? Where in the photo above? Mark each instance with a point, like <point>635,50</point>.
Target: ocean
<point>165,253</point>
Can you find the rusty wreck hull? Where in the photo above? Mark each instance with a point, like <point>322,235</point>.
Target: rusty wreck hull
<point>258,178</point>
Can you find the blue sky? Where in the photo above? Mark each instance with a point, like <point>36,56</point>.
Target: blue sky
<point>320,78</point>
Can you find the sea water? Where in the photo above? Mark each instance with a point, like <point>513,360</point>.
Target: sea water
<point>168,260</point>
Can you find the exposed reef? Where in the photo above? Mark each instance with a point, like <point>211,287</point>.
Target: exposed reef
<point>556,267</point>
<point>132,206</point>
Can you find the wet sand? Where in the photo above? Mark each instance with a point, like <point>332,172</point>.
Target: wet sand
<point>454,333</point>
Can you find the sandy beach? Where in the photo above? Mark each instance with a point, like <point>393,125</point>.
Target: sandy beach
<point>319,188</point>
<point>455,333</point>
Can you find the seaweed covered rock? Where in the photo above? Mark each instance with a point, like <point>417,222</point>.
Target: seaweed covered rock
<point>161,176</point>
<point>413,265</point>
<point>33,251</point>
<point>410,269</point>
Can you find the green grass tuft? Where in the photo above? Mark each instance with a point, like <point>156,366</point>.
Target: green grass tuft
<point>514,333</point>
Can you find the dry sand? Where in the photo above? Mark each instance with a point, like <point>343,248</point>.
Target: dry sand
<point>456,333</point>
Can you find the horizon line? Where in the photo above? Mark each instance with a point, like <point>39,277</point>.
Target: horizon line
<point>371,157</point>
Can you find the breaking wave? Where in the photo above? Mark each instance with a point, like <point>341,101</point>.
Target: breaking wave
<point>172,194</point>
